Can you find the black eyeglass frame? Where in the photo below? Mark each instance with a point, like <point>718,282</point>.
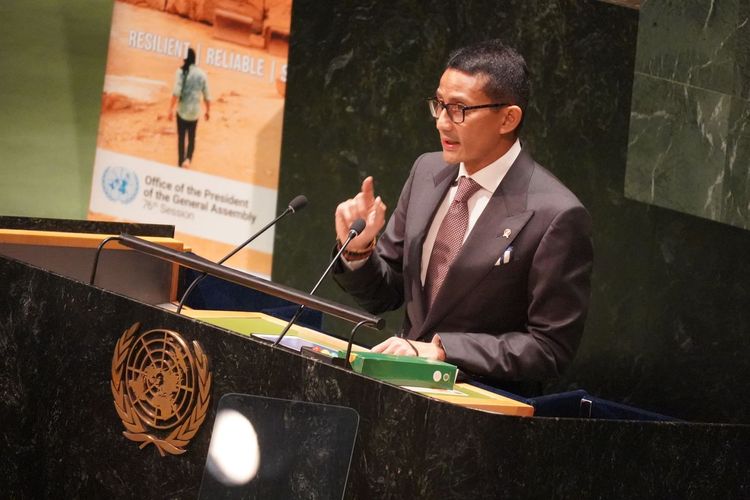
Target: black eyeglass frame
<point>435,104</point>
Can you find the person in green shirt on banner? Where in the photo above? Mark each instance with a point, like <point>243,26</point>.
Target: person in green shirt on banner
<point>190,85</point>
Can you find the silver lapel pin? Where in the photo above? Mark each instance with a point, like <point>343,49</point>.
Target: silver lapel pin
<point>506,233</point>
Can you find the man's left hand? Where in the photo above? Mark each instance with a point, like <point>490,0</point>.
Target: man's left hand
<point>402,347</point>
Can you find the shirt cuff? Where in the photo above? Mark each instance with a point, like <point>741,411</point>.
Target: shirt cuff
<point>441,348</point>
<point>352,265</point>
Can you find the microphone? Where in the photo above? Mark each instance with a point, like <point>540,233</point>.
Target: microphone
<point>298,203</point>
<point>354,230</point>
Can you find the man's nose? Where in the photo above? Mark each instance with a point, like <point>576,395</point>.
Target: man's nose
<point>443,121</point>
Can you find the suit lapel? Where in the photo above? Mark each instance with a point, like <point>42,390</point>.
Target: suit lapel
<point>506,210</point>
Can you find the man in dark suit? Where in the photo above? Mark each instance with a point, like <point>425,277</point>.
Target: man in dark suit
<point>490,253</point>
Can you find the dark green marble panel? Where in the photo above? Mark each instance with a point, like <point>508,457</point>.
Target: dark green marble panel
<point>690,109</point>
<point>677,146</point>
<point>690,41</point>
<point>736,193</point>
<point>742,52</point>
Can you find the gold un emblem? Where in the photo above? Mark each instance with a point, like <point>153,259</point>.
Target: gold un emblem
<point>161,389</point>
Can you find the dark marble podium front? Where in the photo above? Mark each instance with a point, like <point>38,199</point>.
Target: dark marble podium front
<point>63,439</point>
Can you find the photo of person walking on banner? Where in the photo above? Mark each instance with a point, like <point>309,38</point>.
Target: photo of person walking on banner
<point>190,84</point>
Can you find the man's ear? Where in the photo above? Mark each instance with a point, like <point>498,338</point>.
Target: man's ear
<point>512,119</point>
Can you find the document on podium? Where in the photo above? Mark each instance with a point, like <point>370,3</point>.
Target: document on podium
<point>296,343</point>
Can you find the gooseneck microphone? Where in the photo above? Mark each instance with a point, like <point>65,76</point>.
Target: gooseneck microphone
<point>354,230</point>
<point>298,203</point>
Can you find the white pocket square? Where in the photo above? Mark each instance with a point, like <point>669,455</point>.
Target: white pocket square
<point>505,257</point>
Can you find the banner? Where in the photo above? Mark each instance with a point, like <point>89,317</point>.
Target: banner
<point>191,121</point>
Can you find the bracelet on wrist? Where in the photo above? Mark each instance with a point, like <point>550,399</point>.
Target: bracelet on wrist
<point>352,255</point>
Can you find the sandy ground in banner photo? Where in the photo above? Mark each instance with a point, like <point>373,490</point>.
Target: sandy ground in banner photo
<point>242,139</point>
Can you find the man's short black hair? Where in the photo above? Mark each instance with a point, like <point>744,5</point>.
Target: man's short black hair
<point>505,69</point>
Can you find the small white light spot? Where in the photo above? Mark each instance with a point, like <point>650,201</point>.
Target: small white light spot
<point>234,454</point>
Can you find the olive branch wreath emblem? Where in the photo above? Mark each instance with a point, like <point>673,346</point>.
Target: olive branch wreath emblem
<point>176,441</point>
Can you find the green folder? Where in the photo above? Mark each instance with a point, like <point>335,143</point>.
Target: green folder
<point>405,370</point>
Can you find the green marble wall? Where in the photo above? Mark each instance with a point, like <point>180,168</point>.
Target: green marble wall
<point>670,298</point>
<point>688,147</point>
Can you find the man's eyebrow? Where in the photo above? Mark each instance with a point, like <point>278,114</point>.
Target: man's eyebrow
<point>461,99</point>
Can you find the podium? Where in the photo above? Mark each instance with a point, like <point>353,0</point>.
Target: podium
<point>63,364</point>
<point>69,247</point>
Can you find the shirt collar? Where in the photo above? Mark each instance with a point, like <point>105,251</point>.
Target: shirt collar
<point>492,175</point>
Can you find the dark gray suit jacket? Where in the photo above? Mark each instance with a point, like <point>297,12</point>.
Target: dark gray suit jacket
<point>520,321</point>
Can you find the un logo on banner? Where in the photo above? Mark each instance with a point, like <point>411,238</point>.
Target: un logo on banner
<point>120,184</point>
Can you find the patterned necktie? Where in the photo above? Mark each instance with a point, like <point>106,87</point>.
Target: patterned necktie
<point>449,238</point>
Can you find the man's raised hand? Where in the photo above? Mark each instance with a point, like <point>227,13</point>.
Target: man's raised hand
<point>365,205</point>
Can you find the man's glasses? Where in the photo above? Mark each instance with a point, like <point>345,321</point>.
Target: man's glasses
<point>456,112</point>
